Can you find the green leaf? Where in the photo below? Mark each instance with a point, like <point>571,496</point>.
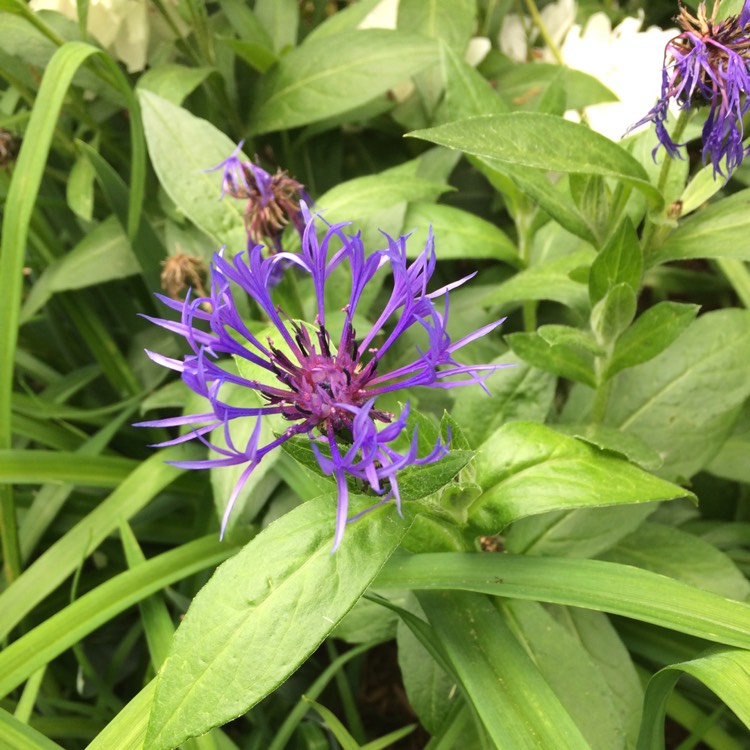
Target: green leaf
<point>345,20</point>
<point>146,244</point>
<point>221,663</point>
<point>619,262</point>
<point>549,280</point>
<point>452,24</point>
<point>717,231</point>
<point>19,736</point>
<point>361,196</point>
<point>594,199</point>
<point>605,649</point>
<point>38,466</point>
<point>568,361</point>
<point>427,684</point>
<point>583,532</point>
<point>172,82</point>
<point>609,439</point>
<point>328,76</point>
<point>458,234</point>
<point>664,401</point>
<point>280,19</point>
<point>104,254</point>
<point>528,81</point>
<point>550,196</point>
<point>678,554</point>
<point>68,626</point>
<point>569,670</point>
<point>573,337</point>
<point>127,731</point>
<point>656,329</point>
<point>60,560</point>
<point>731,461</point>
<point>256,55</point>
<point>467,93</point>
<point>542,142</point>
<point>526,468</point>
<point>516,392</point>
<point>182,147</point>
<point>591,584</point>
<point>700,189</point>
<point>79,189</point>
<point>726,672</point>
<point>612,314</point>
<point>502,682</point>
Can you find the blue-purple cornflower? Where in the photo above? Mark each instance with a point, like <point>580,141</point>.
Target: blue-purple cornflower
<point>327,391</point>
<point>273,201</point>
<point>708,64</point>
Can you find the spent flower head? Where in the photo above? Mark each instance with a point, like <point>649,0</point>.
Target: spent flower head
<point>708,64</point>
<point>273,201</point>
<point>326,390</point>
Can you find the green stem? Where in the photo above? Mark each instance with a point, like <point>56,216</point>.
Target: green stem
<point>9,535</point>
<point>652,224</point>
<point>537,18</point>
<point>738,275</point>
<point>599,409</point>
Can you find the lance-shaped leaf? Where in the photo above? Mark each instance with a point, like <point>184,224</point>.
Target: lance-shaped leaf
<point>263,613</point>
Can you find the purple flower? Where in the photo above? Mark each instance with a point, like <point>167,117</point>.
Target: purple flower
<point>327,392</point>
<point>708,65</point>
<point>272,200</point>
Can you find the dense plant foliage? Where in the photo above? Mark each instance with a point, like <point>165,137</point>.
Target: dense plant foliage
<point>445,442</point>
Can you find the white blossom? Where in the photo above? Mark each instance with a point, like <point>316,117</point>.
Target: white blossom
<point>129,29</point>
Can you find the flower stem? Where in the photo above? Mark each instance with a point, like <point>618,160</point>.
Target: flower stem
<point>537,18</point>
<point>651,223</point>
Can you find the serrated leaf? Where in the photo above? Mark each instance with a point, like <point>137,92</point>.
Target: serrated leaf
<point>526,468</point>
<point>281,595</point>
<point>334,74</point>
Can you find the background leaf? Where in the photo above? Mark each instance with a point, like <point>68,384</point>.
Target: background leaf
<point>334,74</point>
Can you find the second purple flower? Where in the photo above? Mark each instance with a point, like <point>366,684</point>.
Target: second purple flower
<point>708,64</point>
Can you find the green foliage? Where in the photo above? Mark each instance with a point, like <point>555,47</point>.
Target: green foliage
<point>582,545</point>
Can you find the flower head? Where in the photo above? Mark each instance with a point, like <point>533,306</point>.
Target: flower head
<point>272,200</point>
<point>708,64</point>
<point>326,391</point>
<point>182,271</point>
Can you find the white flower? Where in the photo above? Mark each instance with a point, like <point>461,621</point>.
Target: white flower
<point>128,29</point>
<point>626,60</point>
